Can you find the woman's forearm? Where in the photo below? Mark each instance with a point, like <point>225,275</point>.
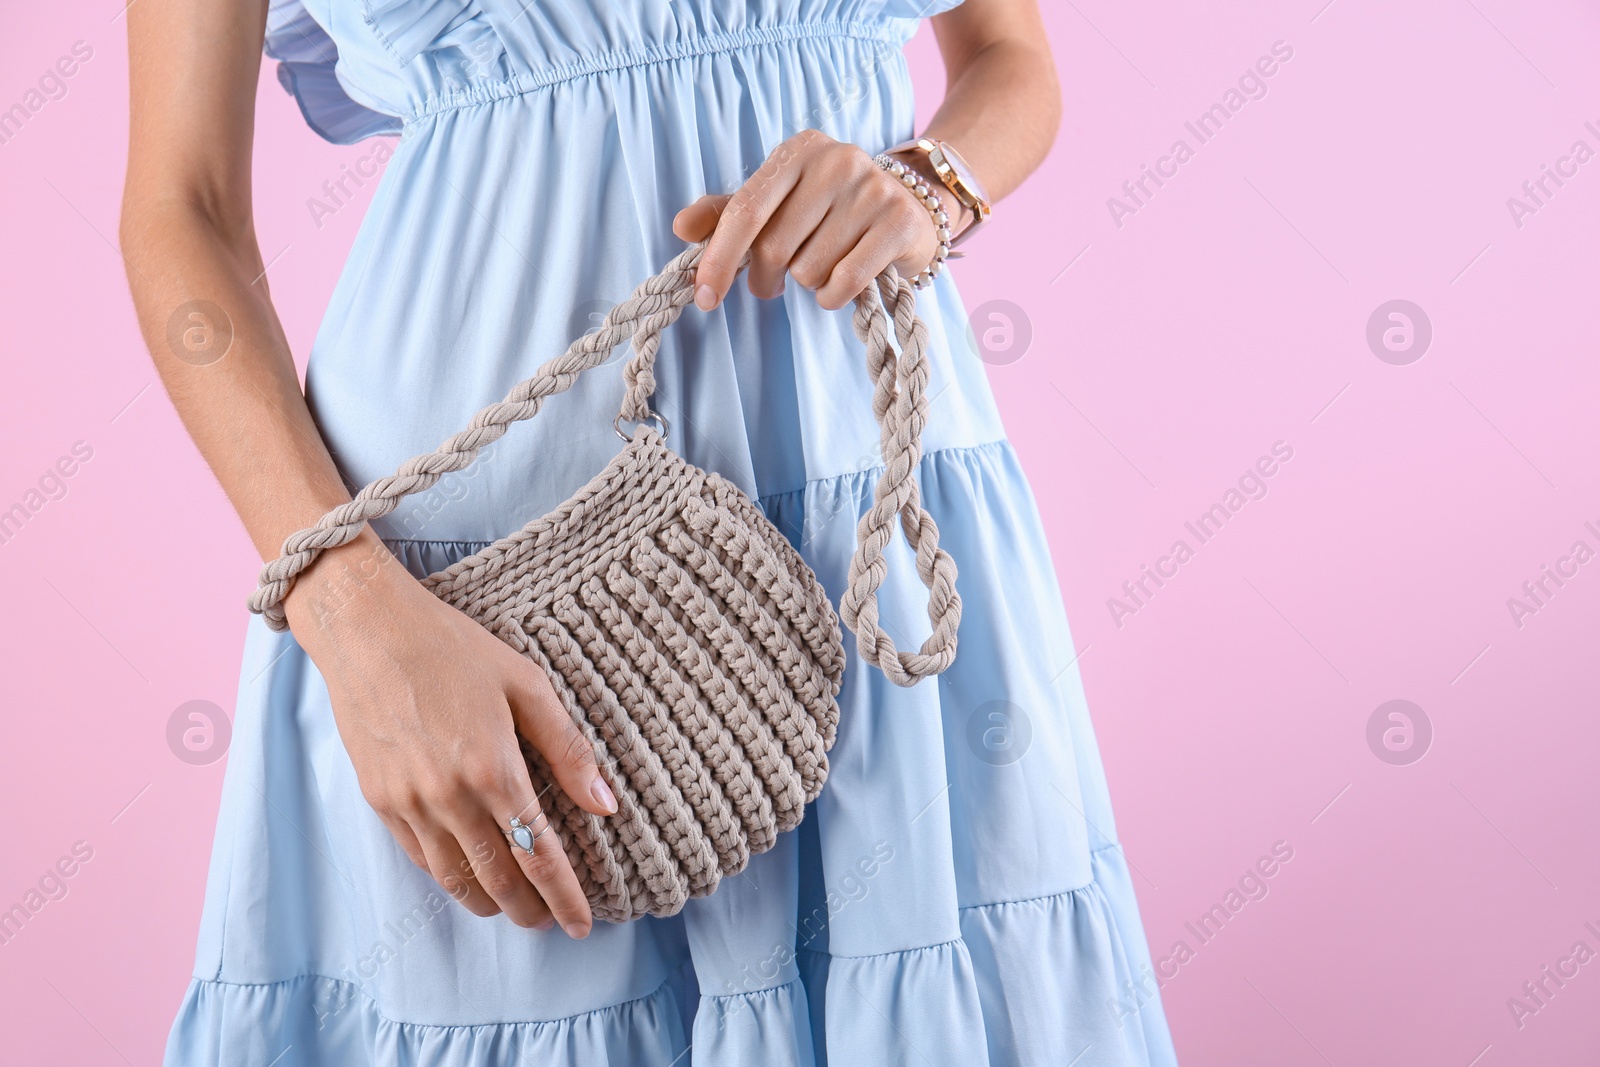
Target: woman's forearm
<point>1002,102</point>
<point>195,269</point>
<point>197,290</point>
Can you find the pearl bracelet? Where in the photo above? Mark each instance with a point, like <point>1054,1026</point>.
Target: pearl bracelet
<point>919,188</point>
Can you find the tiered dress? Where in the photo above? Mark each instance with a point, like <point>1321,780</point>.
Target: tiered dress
<point>957,895</point>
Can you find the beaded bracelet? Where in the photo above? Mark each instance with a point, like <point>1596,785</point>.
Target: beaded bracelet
<point>913,181</point>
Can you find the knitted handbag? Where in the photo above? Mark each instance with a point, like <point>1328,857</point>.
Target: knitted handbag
<point>690,643</point>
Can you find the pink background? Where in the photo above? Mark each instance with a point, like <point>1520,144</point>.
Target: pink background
<point>1229,312</point>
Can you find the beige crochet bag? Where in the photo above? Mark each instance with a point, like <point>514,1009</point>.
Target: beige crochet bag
<point>687,638</point>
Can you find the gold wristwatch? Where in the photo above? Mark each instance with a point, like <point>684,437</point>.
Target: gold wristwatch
<point>956,174</point>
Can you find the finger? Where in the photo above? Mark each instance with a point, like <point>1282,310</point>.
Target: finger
<point>792,225</point>
<point>901,232</point>
<point>547,867</point>
<point>695,222</point>
<point>450,869</point>
<point>482,838</point>
<point>855,271</point>
<point>542,718</point>
<point>840,232</point>
<point>745,215</point>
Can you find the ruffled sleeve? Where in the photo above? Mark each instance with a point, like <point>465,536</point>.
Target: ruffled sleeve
<point>307,68</point>
<point>409,28</point>
<point>916,9</point>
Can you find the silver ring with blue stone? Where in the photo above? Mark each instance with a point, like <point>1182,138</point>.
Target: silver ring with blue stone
<point>523,835</point>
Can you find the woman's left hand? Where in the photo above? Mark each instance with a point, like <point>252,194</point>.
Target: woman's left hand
<point>818,209</point>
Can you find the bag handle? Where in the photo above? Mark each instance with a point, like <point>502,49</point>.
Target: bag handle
<point>899,403</point>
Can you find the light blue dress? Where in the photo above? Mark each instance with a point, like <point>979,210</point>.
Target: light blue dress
<point>957,895</point>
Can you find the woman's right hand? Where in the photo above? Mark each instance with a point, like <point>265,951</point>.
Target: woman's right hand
<point>429,705</point>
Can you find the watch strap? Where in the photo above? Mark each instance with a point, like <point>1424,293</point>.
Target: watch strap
<point>951,180</point>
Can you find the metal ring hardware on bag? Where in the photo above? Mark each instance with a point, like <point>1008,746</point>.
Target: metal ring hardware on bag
<point>662,426</point>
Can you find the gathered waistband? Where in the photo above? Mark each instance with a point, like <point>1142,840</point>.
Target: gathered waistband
<point>653,55</point>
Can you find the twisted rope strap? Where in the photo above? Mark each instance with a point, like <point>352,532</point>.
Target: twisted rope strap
<point>902,412</point>
<point>657,303</point>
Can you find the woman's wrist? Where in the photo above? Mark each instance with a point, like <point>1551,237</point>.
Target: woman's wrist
<point>933,203</point>
<point>348,577</point>
<point>960,215</point>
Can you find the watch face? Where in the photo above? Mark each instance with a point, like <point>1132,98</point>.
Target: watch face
<point>963,171</point>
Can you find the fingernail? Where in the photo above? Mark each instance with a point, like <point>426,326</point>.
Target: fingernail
<point>704,297</point>
<point>602,795</point>
<point>546,925</point>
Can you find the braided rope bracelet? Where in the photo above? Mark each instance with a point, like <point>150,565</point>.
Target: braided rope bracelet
<point>941,219</point>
